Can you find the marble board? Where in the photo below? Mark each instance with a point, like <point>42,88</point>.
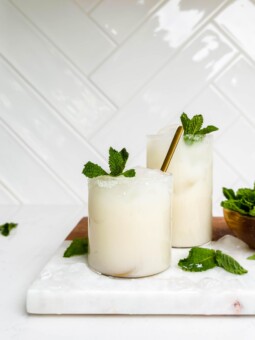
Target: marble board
<point>68,286</point>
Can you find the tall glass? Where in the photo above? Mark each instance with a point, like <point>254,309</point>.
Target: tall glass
<point>130,224</point>
<point>191,167</point>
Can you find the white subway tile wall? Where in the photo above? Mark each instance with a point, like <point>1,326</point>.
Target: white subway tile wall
<point>80,75</point>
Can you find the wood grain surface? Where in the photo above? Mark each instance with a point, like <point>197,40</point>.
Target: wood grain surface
<point>219,229</point>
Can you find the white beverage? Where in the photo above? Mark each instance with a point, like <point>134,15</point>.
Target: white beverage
<point>191,167</point>
<point>130,223</point>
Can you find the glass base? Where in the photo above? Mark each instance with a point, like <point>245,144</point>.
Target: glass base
<point>121,276</point>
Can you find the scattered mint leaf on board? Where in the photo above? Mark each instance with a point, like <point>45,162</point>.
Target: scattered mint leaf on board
<point>6,228</point>
<point>198,260</point>
<point>201,259</point>
<point>79,246</point>
<point>193,131</point>
<point>243,201</point>
<point>117,162</point>
<point>252,257</point>
<point>229,264</point>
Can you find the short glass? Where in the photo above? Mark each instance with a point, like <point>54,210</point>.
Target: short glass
<point>130,224</point>
<point>191,167</point>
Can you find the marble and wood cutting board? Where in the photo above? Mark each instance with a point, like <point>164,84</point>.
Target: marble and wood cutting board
<point>68,286</point>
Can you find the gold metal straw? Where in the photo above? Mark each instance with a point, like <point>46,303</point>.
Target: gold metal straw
<point>172,148</point>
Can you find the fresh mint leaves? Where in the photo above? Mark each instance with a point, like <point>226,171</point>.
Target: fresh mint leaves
<point>6,228</point>
<point>117,162</point>
<point>229,264</point>
<point>79,246</point>
<point>243,201</point>
<point>252,257</point>
<point>193,130</point>
<point>201,259</point>
<point>93,170</point>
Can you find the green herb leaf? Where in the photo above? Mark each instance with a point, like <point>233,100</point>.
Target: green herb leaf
<point>93,170</point>
<point>206,130</point>
<point>229,193</point>
<point>201,259</point>
<point>129,173</point>
<point>252,212</point>
<point>79,246</point>
<point>6,228</point>
<point>193,131</point>
<point>195,124</point>
<point>198,260</point>
<point>243,201</point>
<point>252,257</point>
<point>229,264</point>
<point>117,163</point>
<point>233,205</point>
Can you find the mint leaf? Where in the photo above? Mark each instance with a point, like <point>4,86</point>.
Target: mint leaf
<point>193,131</point>
<point>252,212</point>
<point>6,228</point>
<point>233,205</point>
<point>124,155</point>
<point>79,246</point>
<point>229,193</point>
<point>206,130</point>
<point>117,161</point>
<point>129,173</point>
<point>92,170</point>
<point>242,202</point>
<point>185,122</point>
<point>195,124</point>
<point>252,257</point>
<point>229,264</point>
<point>198,260</point>
<point>201,259</point>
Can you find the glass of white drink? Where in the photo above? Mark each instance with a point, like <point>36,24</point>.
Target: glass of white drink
<point>130,223</point>
<point>191,167</point>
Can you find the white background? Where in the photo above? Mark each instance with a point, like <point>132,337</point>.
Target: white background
<point>80,76</point>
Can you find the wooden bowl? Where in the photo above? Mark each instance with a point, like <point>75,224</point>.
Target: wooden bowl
<point>242,226</point>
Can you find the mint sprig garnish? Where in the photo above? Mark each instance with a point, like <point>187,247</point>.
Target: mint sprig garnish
<point>252,257</point>
<point>193,130</point>
<point>201,259</point>
<point>117,162</point>
<point>243,201</point>
<point>6,228</point>
<point>79,246</point>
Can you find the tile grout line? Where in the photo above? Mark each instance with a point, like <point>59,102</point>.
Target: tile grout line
<point>155,75</point>
<point>233,104</point>
<point>76,69</point>
<point>239,174</point>
<point>11,192</point>
<point>90,9</point>
<point>146,18</point>
<point>201,26</point>
<point>39,160</point>
<point>48,104</point>
<point>102,31</point>
<point>127,38</point>
<point>228,36</point>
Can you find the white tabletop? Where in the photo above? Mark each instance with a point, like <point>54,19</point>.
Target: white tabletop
<point>23,254</point>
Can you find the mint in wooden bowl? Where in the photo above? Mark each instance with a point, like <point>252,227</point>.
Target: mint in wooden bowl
<point>239,213</point>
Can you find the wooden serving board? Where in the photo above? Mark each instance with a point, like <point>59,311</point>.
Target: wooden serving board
<point>220,229</point>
